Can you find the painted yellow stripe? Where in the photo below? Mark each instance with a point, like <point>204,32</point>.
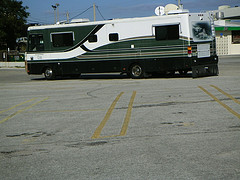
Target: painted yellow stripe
<point>226,94</point>
<point>128,115</point>
<point>220,102</point>
<point>106,118</point>
<point>17,105</point>
<point>21,110</point>
<point>29,140</point>
<point>74,110</point>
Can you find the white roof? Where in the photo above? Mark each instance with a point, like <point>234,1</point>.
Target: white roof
<point>104,22</point>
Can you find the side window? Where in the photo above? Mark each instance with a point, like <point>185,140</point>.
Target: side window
<point>170,32</point>
<point>236,37</point>
<point>92,38</point>
<point>36,42</point>
<point>62,39</point>
<point>113,37</point>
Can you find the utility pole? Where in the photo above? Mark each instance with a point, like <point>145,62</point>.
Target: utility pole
<point>94,12</point>
<point>57,12</point>
<point>54,8</point>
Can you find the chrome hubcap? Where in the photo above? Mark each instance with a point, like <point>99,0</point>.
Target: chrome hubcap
<point>48,73</point>
<point>136,70</point>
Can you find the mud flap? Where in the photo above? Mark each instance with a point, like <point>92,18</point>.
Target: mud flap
<point>205,70</point>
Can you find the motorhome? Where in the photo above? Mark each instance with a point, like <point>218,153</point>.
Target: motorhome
<point>178,41</point>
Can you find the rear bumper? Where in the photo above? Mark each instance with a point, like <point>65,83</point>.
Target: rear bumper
<point>205,67</point>
<point>205,70</point>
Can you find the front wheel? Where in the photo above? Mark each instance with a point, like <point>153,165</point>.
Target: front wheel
<point>49,73</point>
<point>136,71</point>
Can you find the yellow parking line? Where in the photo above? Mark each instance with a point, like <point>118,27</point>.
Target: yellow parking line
<point>108,114</point>
<point>29,140</point>
<point>220,102</point>
<point>128,115</point>
<point>17,105</point>
<point>73,110</point>
<point>105,119</point>
<point>21,110</point>
<point>226,94</point>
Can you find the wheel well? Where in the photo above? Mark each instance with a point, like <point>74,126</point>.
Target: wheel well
<point>44,68</point>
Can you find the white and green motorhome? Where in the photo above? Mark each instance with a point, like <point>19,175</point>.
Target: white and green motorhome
<point>137,46</point>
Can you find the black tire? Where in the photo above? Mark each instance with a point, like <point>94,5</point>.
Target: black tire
<point>136,71</point>
<point>49,73</point>
<point>183,72</point>
<point>170,73</point>
<point>215,71</point>
<point>75,76</point>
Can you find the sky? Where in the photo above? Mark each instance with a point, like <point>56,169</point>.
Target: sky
<point>41,11</point>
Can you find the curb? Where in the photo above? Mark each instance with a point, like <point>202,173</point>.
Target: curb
<point>12,64</point>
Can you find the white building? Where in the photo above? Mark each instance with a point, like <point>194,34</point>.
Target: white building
<point>227,30</point>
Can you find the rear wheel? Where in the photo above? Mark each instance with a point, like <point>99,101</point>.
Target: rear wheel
<point>136,71</point>
<point>183,72</point>
<point>49,73</point>
<point>75,76</point>
<point>170,73</point>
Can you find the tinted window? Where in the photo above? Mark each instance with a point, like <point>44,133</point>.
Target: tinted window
<point>113,37</point>
<point>92,38</point>
<point>170,32</point>
<point>62,39</point>
<point>236,37</point>
<point>36,42</point>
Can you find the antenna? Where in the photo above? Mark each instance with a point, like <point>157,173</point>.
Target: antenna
<point>179,3</point>
<point>67,17</point>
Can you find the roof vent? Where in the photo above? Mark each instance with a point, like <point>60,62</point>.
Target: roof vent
<point>179,11</point>
<point>219,15</point>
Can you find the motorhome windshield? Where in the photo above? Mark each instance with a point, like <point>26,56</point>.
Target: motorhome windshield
<point>35,42</point>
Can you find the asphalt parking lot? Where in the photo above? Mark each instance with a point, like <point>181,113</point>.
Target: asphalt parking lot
<point>114,127</point>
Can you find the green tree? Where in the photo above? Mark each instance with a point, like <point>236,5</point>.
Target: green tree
<point>13,17</point>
